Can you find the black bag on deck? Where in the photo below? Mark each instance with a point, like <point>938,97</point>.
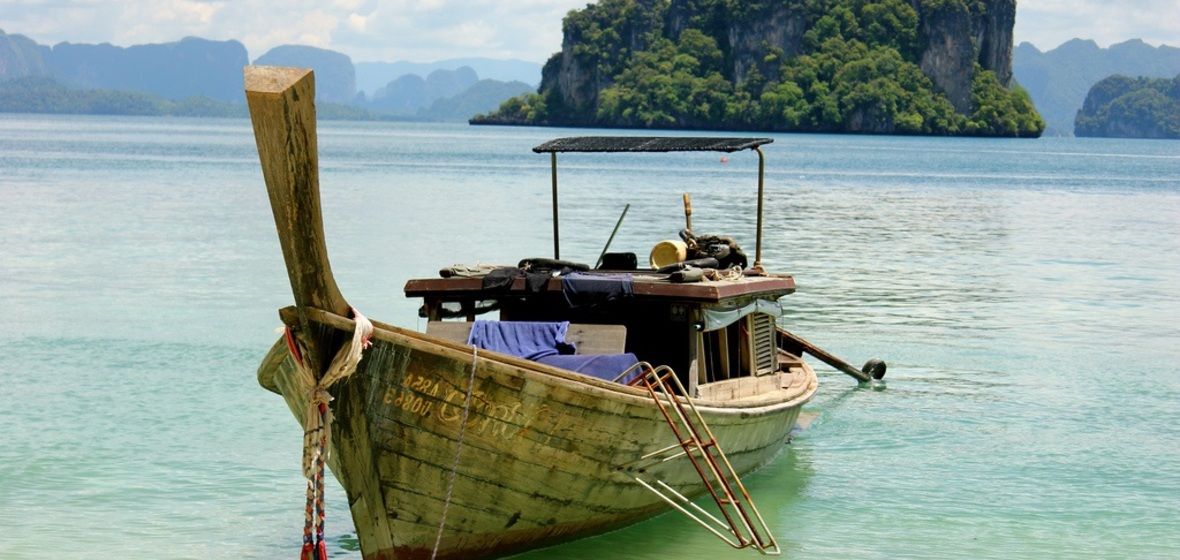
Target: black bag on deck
<point>724,249</point>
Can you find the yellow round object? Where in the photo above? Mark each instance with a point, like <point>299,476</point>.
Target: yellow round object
<point>667,252</point>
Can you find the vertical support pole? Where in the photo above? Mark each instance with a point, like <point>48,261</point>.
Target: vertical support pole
<point>696,345</point>
<point>556,239</point>
<point>761,177</point>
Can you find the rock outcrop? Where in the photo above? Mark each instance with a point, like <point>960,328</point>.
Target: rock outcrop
<point>958,35</point>
<point>779,30</point>
<point>957,39</point>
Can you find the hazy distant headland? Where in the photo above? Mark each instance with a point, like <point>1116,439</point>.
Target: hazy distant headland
<point>1059,80</point>
<point>199,77</point>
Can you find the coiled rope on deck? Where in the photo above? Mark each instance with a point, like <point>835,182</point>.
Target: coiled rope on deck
<point>317,426</point>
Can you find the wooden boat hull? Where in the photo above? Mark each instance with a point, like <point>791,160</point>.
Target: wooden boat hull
<point>538,455</point>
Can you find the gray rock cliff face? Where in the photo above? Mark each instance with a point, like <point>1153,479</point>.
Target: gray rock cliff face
<point>957,36</point>
<point>578,75</point>
<point>565,74</point>
<point>780,29</point>
<point>949,56</point>
<point>956,39</point>
<point>993,34</point>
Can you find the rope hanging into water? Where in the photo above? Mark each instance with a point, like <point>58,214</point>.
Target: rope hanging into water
<point>458,449</point>
<point>317,427</point>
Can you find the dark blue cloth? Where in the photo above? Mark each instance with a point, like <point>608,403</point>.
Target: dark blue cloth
<point>525,339</point>
<point>582,289</point>
<point>602,366</point>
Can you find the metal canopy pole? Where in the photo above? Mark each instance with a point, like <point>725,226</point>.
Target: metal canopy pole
<point>556,238</point>
<point>761,174</point>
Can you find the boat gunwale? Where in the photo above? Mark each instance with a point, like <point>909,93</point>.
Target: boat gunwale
<point>551,375</point>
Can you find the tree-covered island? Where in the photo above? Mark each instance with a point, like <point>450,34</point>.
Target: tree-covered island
<point>1125,107</point>
<point>938,67</point>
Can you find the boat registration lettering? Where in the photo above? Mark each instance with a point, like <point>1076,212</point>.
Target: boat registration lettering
<point>424,397</point>
<point>482,413</point>
<point>415,396</point>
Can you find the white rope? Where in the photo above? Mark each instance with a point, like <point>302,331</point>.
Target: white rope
<point>317,428</point>
<point>732,273</point>
<point>458,449</point>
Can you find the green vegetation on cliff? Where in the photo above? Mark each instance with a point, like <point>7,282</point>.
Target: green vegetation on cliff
<point>856,69</point>
<point>1125,107</point>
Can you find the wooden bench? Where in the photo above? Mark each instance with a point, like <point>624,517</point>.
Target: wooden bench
<point>586,338</point>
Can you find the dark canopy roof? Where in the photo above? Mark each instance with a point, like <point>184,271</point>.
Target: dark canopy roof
<point>649,144</point>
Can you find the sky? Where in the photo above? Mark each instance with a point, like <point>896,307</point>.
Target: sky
<point>433,30</point>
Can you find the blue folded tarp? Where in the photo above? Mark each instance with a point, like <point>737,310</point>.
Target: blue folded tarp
<point>526,339</point>
<point>602,366</point>
<point>544,342</point>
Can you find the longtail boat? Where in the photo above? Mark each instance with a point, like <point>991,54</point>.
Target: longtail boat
<point>599,397</point>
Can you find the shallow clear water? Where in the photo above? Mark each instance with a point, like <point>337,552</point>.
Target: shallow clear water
<point>1024,293</point>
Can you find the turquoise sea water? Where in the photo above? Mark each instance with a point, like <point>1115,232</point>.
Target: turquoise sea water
<point>1026,295</point>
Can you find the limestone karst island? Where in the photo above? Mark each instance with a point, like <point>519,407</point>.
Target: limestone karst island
<point>936,67</point>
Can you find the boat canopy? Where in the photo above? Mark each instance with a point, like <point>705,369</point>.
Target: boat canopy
<point>648,144</point>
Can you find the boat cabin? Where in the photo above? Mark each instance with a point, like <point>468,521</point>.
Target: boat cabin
<point>710,326</point>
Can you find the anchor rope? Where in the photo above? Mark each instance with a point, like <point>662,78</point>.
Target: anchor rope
<point>317,426</point>
<point>458,450</point>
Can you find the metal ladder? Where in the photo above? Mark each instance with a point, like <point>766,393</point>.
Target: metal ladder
<point>743,526</point>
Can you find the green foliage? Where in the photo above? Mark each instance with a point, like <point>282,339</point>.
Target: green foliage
<point>523,109</point>
<point>1121,106</point>
<point>857,72</point>
<point>606,34</point>
<point>997,111</point>
<point>669,86</point>
<point>32,94</point>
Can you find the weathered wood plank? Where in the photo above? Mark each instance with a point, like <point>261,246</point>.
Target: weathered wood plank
<point>282,110</point>
<point>539,449</point>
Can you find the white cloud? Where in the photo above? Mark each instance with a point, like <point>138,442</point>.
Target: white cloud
<point>428,30</point>
<point>358,22</point>
<point>1048,23</point>
<point>153,26</point>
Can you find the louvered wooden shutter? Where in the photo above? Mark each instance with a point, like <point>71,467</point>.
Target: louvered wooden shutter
<point>764,350</point>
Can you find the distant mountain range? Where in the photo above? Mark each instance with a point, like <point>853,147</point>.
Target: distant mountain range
<point>193,67</point>
<point>371,76</point>
<point>1058,80</point>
